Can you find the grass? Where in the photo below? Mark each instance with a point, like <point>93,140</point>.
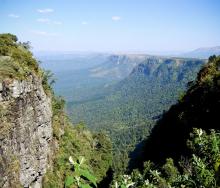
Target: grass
<point>10,69</point>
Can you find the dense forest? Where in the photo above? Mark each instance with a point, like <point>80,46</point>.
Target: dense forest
<point>127,110</point>
<point>184,147</point>
<point>181,145</point>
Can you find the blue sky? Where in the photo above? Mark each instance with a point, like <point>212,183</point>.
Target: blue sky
<point>113,25</point>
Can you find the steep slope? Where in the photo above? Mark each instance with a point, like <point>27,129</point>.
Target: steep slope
<point>79,77</point>
<point>199,108</point>
<point>26,130</point>
<point>184,147</point>
<point>76,142</point>
<point>36,136</point>
<point>130,108</point>
<point>146,80</point>
<point>117,67</point>
<point>25,122</point>
<point>72,72</point>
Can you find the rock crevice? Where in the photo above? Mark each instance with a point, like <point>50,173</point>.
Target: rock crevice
<point>25,132</point>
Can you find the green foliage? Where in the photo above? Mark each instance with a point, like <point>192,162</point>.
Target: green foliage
<point>17,62</point>
<point>209,72</point>
<point>128,110</point>
<point>199,107</point>
<point>76,143</point>
<point>7,43</point>
<point>198,171</point>
<point>47,80</point>
<point>207,166</point>
<point>58,104</point>
<point>20,60</point>
<point>59,117</point>
<point>80,175</point>
<point>170,171</point>
<point>10,69</point>
<point>69,181</point>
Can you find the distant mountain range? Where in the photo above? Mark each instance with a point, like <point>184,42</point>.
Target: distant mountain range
<point>203,53</point>
<point>78,76</point>
<point>146,80</point>
<point>117,66</point>
<point>78,72</point>
<point>121,94</point>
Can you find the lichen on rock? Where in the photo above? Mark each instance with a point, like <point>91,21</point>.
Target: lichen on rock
<point>26,132</point>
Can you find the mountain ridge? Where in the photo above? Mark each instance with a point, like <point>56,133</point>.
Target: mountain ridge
<point>128,109</point>
<point>203,53</point>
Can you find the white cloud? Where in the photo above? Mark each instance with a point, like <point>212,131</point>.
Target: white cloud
<point>44,33</point>
<point>84,23</point>
<point>43,20</point>
<point>116,18</point>
<point>14,16</point>
<point>48,21</point>
<point>46,10</point>
<point>57,22</point>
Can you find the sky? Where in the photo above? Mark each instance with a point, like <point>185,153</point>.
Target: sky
<point>113,25</point>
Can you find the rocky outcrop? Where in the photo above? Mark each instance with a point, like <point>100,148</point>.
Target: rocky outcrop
<point>25,132</point>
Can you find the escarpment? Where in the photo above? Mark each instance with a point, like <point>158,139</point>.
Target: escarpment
<point>26,132</point>
<point>36,136</point>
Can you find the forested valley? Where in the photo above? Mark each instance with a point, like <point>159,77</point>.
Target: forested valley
<point>109,94</point>
<point>128,109</point>
<point>155,126</point>
<point>183,148</point>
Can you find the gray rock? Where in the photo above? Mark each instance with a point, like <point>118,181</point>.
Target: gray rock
<point>26,132</point>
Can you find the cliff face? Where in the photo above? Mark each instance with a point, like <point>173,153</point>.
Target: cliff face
<point>35,134</point>
<point>198,108</point>
<point>25,132</point>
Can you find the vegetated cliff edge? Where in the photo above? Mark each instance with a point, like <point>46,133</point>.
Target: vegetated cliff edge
<point>198,108</point>
<point>36,138</point>
<point>184,146</point>
<point>25,116</point>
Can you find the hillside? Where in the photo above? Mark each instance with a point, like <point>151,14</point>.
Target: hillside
<point>79,76</point>
<point>198,108</point>
<point>37,139</point>
<point>184,147</point>
<point>128,109</point>
<point>41,148</point>
<point>117,67</point>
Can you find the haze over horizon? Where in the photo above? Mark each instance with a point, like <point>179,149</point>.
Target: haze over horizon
<point>109,93</point>
<point>113,26</point>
